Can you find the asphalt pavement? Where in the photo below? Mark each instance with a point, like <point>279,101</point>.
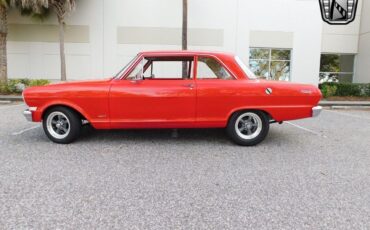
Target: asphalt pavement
<point>307,174</point>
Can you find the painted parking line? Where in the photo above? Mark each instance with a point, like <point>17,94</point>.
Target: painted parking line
<point>12,106</point>
<point>25,130</point>
<point>306,129</point>
<point>347,115</point>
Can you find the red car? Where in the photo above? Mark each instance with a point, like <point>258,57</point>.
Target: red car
<point>171,89</point>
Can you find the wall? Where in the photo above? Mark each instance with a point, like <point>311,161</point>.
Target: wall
<point>342,38</point>
<point>363,58</point>
<point>156,25</point>
<point>113,31</point>
<point>34,52</point>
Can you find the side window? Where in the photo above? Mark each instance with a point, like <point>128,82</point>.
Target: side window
<point>157,68</point>
<point>210,68</point>
<point>137,72</point>
<point>169,69</point>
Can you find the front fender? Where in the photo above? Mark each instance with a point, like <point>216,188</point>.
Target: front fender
<point>38,114</point>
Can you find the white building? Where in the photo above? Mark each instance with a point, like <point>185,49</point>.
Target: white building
<point>103,35</point>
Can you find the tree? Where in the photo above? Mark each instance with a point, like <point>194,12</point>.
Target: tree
<point>184,34</point>
<point>184,24</point>
<point>62,9</point>
<point>3,35</point>
<point>28,7</point>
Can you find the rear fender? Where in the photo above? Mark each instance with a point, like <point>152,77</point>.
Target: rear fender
<point>280,113</point>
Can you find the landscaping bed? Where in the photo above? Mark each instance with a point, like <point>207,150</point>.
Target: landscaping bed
<point>345,91</point>
<point>16,86</point>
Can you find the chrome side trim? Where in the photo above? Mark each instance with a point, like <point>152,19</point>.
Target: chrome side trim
<point>28,115</point>
<point>316,111</point>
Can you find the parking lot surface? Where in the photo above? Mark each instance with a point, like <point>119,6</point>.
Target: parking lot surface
<point>307,174</point>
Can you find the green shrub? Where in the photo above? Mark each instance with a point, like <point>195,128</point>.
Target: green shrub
<point>348,90</point>
<point>345,90</point>
<point>329,90</point>
<point>38,82</point>
<point>16,86</point>
<point>4,88</point>
<point>367,90</point>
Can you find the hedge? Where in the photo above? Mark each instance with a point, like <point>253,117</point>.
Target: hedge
<point>16,86</point>
<point>345,90</point>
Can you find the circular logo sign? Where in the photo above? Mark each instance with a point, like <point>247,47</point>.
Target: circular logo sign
<point>268,91</point>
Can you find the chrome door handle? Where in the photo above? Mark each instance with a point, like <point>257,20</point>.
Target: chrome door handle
<point>191,86</point>
<point>136,82</point>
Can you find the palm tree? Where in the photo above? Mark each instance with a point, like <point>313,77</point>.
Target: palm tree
<point>184,24</point>
<point>25,6</point>
<point>3,34</point>
<point>62,8</point>
<point>184,35</point>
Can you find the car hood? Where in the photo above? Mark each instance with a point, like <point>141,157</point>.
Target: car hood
<point>51,89</point>
<point>87,82</point>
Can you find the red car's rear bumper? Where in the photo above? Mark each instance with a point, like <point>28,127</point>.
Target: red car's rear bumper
<point>316,111</point>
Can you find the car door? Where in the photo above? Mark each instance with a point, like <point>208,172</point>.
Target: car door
<point>156,94</point>
<point>217,92</point>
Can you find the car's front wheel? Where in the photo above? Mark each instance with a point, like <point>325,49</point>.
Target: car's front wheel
<point>62,125</point>
<point>248,128</point>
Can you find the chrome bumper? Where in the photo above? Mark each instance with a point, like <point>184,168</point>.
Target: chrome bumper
<point>28,115</point>
<point>316,111</point>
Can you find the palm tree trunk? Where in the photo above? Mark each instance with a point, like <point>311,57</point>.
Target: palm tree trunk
<point>185,73</point>
<point>3,35</point>
<point>62,52</point>
<point>184,24</point>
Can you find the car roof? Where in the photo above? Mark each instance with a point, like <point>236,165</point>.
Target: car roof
<point>187,52</point>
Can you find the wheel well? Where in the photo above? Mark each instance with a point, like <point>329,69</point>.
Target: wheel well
<point>245,110</point>
<point>65,106</point>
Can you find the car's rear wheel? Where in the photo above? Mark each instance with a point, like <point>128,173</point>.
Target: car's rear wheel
<point>248,128</point>
<point>62,125</point>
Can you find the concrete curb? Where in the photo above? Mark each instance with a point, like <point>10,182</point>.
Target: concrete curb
<point>349,107</point>
<point>345,103</point>
<point>11,98</point>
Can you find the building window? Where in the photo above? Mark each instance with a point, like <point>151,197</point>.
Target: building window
<point>271,64</point>
<point>336,68</point>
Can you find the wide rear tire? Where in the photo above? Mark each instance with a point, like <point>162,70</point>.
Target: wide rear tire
<point>248,128</point>
<point>62,125</point>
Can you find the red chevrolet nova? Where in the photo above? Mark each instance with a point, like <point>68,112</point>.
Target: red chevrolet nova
<point>173,90</point>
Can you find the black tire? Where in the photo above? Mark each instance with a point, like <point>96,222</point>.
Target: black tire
<point>247,132</point>
<point>69,122</point>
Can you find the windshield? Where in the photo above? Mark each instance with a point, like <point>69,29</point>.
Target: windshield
<point>119,74</point>
<point>246,70</point>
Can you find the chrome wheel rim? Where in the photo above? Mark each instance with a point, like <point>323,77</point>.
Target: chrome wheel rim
<point>248,126</point>
<point>58,125</point>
